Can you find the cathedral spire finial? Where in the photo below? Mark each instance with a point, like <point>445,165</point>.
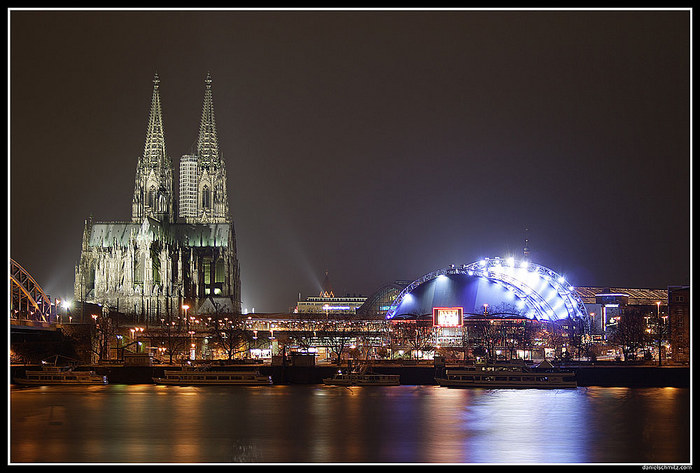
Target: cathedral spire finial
<point>208,144</point>
<point>154,149</point>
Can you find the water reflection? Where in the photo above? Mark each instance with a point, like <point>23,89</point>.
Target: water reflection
<point>324,424</point>
<point>526,426</point>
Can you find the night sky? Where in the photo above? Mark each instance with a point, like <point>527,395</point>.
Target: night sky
<point>376,145</point>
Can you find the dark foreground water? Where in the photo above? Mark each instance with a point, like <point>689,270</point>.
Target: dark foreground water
<point>324,424</point>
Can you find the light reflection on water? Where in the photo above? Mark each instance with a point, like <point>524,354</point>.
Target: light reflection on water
<point>325,424</point>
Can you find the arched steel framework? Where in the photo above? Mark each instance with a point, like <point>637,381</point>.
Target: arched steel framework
<point>544,293</point>
<point>27,296</point>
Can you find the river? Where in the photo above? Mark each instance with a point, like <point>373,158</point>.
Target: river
<point>122,423</point>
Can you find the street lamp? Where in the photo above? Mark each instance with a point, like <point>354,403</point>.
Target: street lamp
<point>187,321</point>
<point>658,328</point>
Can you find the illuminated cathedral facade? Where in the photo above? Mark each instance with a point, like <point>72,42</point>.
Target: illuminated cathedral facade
<point>173,252</point>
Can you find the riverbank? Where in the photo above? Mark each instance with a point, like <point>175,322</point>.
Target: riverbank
<point>608,376</point>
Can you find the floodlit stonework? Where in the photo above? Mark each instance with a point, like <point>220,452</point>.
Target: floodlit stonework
<point>162,259</point>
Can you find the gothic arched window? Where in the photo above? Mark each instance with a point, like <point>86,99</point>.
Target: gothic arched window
<point>205,197</point>
<point>152,197</point>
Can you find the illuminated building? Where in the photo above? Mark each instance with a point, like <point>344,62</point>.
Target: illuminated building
<point>328,303</point>
<point>605,305</point>
<point>152,264</point>
<point>497,303</point>
<point>380,301</point>
<point>679,321</point>
<point>492,285</point>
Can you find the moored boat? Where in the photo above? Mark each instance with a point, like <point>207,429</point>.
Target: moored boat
<point>193,377</point>
<point>363,378</point>
<point>63,375</point>
<point>508,375</point>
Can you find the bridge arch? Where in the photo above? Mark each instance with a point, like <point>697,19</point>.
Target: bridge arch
<point>28,298</point>
<point>536,291</point>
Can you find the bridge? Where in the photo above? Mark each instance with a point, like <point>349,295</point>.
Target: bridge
<point>30,305</point>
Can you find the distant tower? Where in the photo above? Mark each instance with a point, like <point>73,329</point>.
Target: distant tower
<point>208,180</point>
<point>153,188</point>
<point>526,249</point>
<point>326,288</point>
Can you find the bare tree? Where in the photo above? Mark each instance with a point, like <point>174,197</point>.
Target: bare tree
<point>336,339</point>
<point>630,332</point>
<point>418,337</point>
<point>484,333</point>
<point>228,332</point>
<point>553,336</point>
<point>170,336</point>
<point>578,336</point>
<point>658,330</point>
<point>104,331</point>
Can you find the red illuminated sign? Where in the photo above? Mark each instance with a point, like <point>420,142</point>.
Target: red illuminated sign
<point>447,316</point>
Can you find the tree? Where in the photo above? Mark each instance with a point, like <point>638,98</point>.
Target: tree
<point>171,337</point>
<point>228,332</point>
<point>104,331</point>
<point>480,351</point>
<point>553,336</point>
<point>484,332</point>
<point>513,334</point>
<point>301,338</point>
<point>630,332</point>
<point>579,339</point>
<point>506,309</point>
<point>658,330</point>
<point>418,337</point>
<point>336,340</point>
<point>528,334</point>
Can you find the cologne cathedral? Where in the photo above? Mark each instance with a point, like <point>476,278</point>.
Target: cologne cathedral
<point>173,253</point>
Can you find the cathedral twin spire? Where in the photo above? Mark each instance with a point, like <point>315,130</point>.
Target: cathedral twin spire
<point>153,190</point>
<point>154,149</point>
<point>207,144</point>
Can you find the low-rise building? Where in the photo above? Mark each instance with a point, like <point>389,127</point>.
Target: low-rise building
<point>328,303</point>
<point>679,321</point>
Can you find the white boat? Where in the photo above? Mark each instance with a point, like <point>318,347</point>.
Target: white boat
<point>508,375</point>
<point>50,375</point>
<point>193,377</point>
<point>363,378</point>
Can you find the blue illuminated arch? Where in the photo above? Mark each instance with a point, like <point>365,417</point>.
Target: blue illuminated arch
<point>542,293</point>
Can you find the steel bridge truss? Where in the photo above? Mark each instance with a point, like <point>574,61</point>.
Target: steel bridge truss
<point>29,301</point>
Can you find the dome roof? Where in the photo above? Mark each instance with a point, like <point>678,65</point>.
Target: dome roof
<point>380,301</point>
<point>493,286</point>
